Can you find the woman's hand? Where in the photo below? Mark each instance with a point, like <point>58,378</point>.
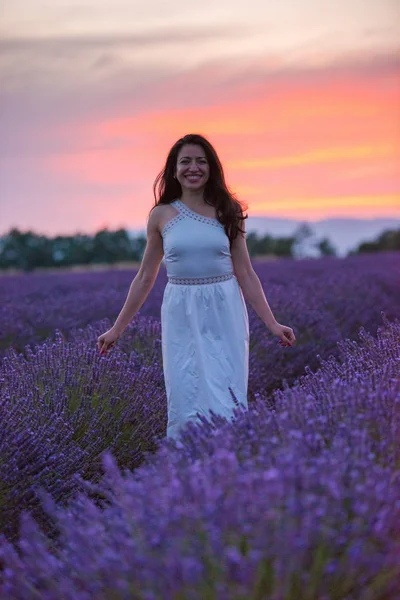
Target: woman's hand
<point>286,335</point>
<point>107,340</point>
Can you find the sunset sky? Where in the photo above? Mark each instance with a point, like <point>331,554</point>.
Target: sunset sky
<point>300,98</point>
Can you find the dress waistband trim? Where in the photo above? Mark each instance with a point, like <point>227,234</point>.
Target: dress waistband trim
<point>199,280</point>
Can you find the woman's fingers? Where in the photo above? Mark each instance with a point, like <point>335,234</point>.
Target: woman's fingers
<point>105,346</point>
<point>287,338</point>
<point>290,335</point>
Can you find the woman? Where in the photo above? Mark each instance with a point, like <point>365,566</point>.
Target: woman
<point>198,225</point>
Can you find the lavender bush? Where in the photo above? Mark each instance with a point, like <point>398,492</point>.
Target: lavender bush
<point>63,404</point>
<point>344,294</point>
<point>302,501</point>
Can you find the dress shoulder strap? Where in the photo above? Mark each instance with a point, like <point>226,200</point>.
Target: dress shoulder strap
<point>178,217</point>
<point>185,211</point>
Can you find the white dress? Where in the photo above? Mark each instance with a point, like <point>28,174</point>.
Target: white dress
<point>204,321</point>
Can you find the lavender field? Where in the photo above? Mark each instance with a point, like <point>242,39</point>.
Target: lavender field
<point>298,499</point>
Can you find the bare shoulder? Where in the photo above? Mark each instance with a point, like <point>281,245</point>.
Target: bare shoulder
<point>159,216</point>
<point>154,219</point>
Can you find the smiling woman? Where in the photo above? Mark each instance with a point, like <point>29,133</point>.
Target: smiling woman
<point>197,224</point>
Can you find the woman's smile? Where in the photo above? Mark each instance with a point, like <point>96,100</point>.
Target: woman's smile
<point>194,177</point>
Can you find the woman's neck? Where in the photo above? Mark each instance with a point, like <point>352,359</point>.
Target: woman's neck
<point>193,198</point>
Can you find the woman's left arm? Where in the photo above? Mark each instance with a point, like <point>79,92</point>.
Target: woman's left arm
<point>253,291</point>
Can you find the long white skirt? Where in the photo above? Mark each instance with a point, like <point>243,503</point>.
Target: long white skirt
<point>205,350</point>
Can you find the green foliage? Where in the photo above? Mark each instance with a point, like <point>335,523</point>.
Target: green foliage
<point>27,251</point>
<point>325,247</point>
<point>267,245</point>
<point>388,240</point>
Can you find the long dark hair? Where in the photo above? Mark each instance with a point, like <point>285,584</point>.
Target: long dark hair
<point>229,210</point>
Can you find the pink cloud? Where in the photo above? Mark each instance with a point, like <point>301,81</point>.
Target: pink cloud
<point>100,161</point>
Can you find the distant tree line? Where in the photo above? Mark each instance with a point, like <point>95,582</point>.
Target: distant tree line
<point>387,240</point>
<point>28,250</point>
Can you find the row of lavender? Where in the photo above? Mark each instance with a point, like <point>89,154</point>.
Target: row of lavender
<point>323,300</point>
<point>301,501</point>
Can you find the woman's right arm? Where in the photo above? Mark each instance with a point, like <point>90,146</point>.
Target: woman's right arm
<point>146,276</point>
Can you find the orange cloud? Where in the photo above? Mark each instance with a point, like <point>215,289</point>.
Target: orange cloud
<point>317,207</point>
<point>302,148</point>
<point>317,156</point>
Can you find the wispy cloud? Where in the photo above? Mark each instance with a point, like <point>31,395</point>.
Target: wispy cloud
<point>75,44</point>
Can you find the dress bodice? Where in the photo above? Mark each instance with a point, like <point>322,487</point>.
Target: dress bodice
<point>195,246</point>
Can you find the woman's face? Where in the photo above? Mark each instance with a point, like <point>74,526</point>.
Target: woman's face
<point>192,168</point>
